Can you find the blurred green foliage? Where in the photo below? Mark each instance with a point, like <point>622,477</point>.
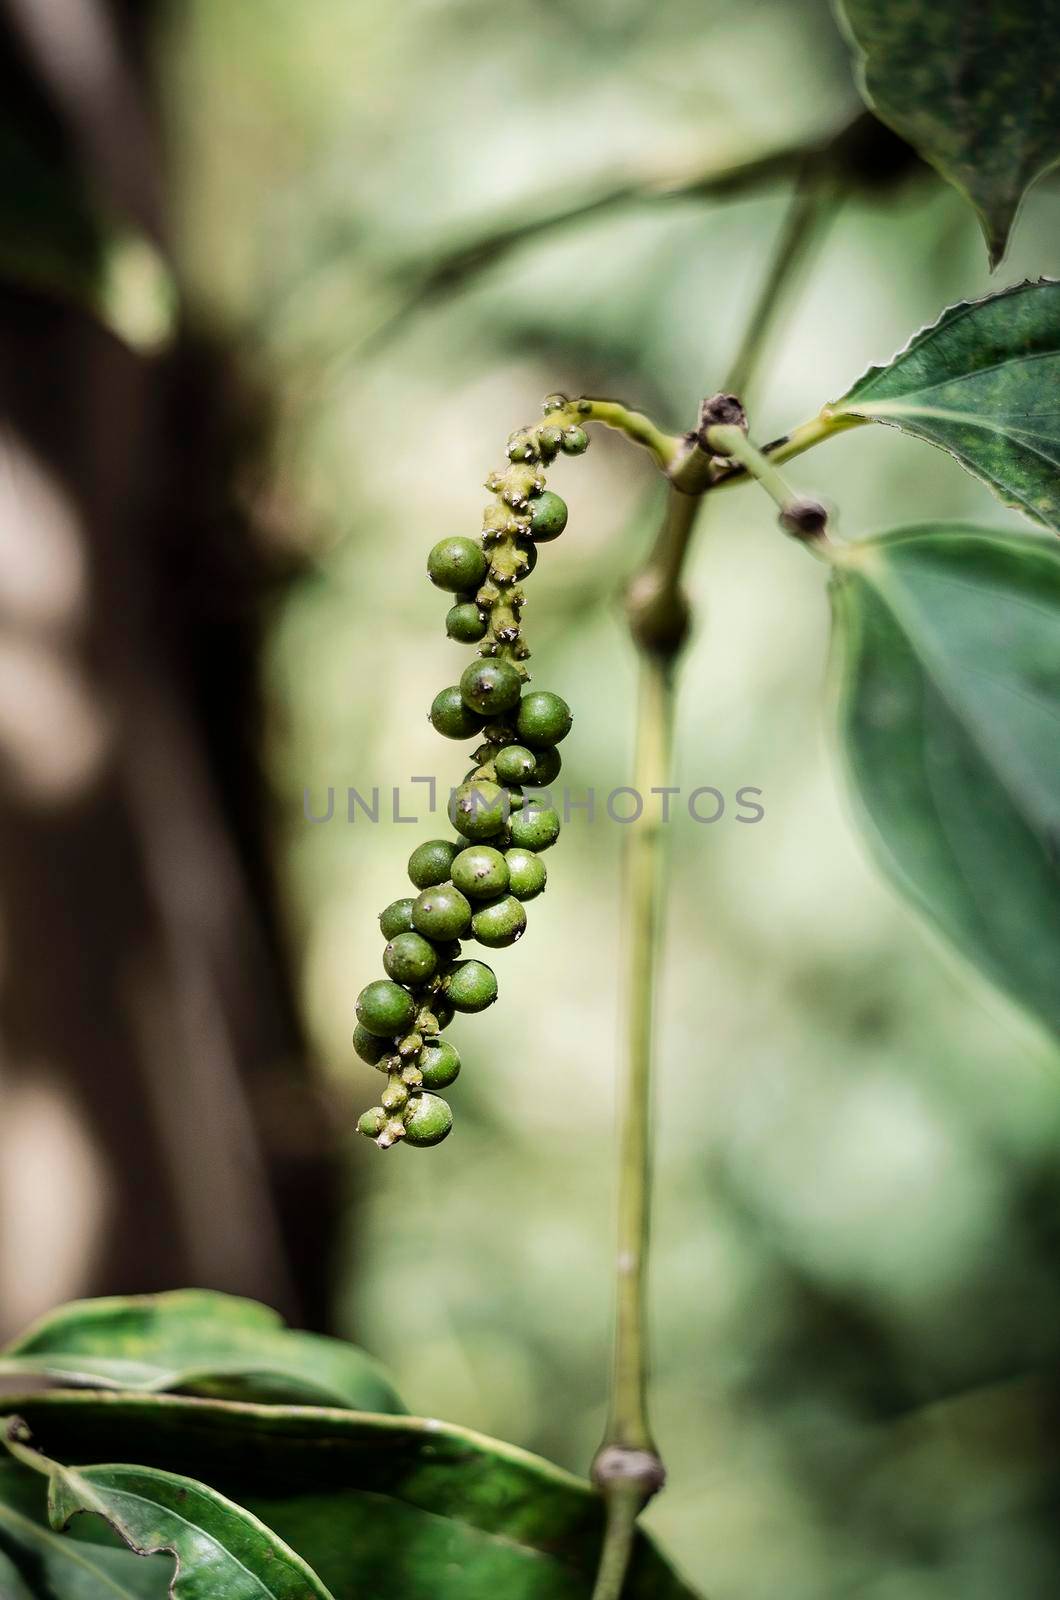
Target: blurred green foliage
<point>858,1177</point>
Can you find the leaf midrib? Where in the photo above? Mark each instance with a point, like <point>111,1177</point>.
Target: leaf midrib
<point>907,879</point>
<point>94,1505</point>
<point>973,419</point>
<point>123,1496</point>
<point>1015,360</point>
<point>67,1548</point>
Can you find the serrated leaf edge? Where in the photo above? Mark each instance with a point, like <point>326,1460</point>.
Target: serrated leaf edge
<point>946,318</point>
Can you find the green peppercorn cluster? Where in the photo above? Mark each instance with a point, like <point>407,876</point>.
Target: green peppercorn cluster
<point>474,886</point>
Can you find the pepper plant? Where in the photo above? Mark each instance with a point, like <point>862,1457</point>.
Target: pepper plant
<point>281,1464</point>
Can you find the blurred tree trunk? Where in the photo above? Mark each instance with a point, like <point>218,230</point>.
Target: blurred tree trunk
<point>159,1127</point>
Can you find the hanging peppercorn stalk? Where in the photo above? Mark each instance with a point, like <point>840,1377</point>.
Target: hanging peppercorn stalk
<point>474,886</point>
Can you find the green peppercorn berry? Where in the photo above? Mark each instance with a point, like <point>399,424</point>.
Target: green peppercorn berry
<point>549,440</point>
<point>465,623</point>
<point>439,1064</point>
<point>478,809</point>
<point>441,913</point>
<point>514,764</point>
<point>452,717</point>
<point>531,829</point>
<point>428,1120</point>
<point>490,686</point>
<point>369,1046</point>
<point>457,564</point>
<point>371,1123</point>
<point>546,768</point>
<point>397,918</point>
<point>499,923</point>
<point>385,1008</point>
<point>430,862</point>
<point>395,1097</point>
<point>526,873</point>
<point>410,958</point>
<point>471,986</point>
<point>575,441</point>
<point>548,517</point>
<point>480,872</point>
<point>543,718</point>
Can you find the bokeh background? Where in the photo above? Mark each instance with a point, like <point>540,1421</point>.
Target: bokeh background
<point>213,527</point>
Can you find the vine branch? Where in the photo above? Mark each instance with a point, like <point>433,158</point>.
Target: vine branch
<point>826,425</point>
<point>813,204</point>
<point>628,1469</point>
<point>805,519</point>
<point>863,154</point>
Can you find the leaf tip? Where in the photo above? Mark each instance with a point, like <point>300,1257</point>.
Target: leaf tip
<point>996,245</point>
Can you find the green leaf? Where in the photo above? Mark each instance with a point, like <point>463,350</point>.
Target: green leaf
<point>38,1564</point>
<point>982,383</point>
<point>220,1548</point>
<point>396,1508</point>
<point>195,1342</point>
<point>947,640</point>
<point>975,87</point>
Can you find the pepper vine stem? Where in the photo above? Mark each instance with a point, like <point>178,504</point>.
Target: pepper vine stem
<point>826,425</point>
<point>805,519</point>
<point>628,1469</point>
<point>664,447</point>
<point>628,1429</point>
<point>812,206</point>
<point>733,442</point>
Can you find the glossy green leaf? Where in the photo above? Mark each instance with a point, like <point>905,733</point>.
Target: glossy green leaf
<point>975,87</point>
<point>396,1508</point>
<point>947,640</point>
<point>195,1342</point>
<point>220,1548</point>
<point>982,383</point>
<point>37,1563</point>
